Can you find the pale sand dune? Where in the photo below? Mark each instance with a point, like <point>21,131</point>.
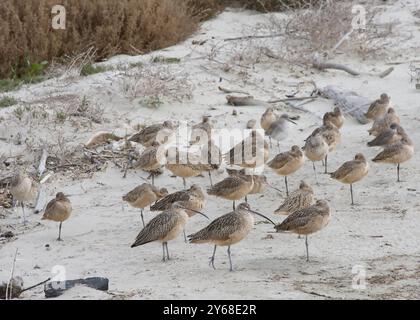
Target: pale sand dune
<point>381,233</point>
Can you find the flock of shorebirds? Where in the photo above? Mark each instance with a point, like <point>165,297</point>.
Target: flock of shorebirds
<point>304,217</point>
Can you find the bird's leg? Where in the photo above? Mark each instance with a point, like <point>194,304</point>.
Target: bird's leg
<point>233,204</point>
<point>351,192</point>
<point>398,173</point>
<point>211,262</point>
<point>316,177</point>
<point>278,145</point>
<point>287,188</point>
<point>185,236</point>
<point>167,251</point>
<point>59,232</point>
<point>23,212</point>
<point>230,259</point>
<point>211,181</point>
<point>326,163</point>
<point>153,179</point>
<point>271,145</point>
<point>307,250</point>
<point>246,199</point>
<point>142,218</point>
<point>185,183</point>
<point>163,247</point>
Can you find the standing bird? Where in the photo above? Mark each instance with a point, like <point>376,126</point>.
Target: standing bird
<point>149,160</point>
<point>59,210</point>
<point>298,199</point>
<point>251,152</point>
<point>192,200</point>
<point>315,149</point>
<point>227,230</point>
<point>260,181</point>
<point>23,189</point>
<point>181,164</point>
<point>149,134</point>
<point>352,171</point>
<point>389,136</point>
<point>383,123</point>
<point>378,108</point>
<point>144,195</point>
<point>306,221</point>
<point>286,163</point>
<point>211,155</point>
<point>232,188</point>
<point>201,132</point>
<point>397,153</point>
<point>332,136</point>
<point>279,129</point>
<point>335,117</point>
<point>164,227</point>
<point>267,118</point>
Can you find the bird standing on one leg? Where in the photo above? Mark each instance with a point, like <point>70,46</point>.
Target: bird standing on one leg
<point>59,210</point>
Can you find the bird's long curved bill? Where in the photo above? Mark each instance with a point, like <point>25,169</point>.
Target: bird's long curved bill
<point>199,212</point>
<point>290,120</point>
<point>261,215</point>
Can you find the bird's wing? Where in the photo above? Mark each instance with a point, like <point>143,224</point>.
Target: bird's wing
<point>166,202</point>
<point>280,160</point>
<point>157,228</point>
<point>219,229</point>
<point>344,170</point>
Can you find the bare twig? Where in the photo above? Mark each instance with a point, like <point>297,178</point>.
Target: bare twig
<point>225,90</point>
<point>9,288</point>
<point>36,285</point>
<point>255,37</point>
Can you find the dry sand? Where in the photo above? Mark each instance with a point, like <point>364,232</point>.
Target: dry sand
<point>381,233</point>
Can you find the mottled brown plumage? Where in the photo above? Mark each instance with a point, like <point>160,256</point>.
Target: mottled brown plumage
<point>227,230</point>
<point>396,153</point>
<point>193,198</point>
<point>352,171</point>
<point>287,163</point>
<point>58,210</point>
<point>23,189</point>
<point>378,108</point>
<point>201,132</point>
<point>298,199</point>
<point>164,227</point>
<point>307,221</point>
<point>144,195</point>
<point>149,134</point>
<point>267,118</point>
<point>335,117</point>
<point>389,136</point>
<point>232,188</point>
<point>382,123</point>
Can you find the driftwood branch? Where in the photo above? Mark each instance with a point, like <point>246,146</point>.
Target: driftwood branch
<point>320,65</point>
<point>225,90</point>
<point>35,285</point>
<point>292,99</point>
<point>255,37</point>
<point>42,162</point>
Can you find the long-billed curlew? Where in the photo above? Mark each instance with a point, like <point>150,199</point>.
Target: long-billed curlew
<point>251,152</point>
<point>316,149</point>
<point>192,200</point>
<point>164,227</point>
<point>383,123</point>
<point>149,160</point>
<point>389,136</point>
<point>227,230</point>
<point>378,108</point>
<point>352,171</point>
<point>184,165</point>
<point>23,189</point>
<point>298,199</point>
<point>232,188</point>
<point>335,117</point>
<point>149,134</point>
<point>332,136</point>
<point>286,163</point>
<point>267,118</point>
<point>59,210</point>
<point>201,132</point>
<point>144,195</point>
<point>396,153</point>
<point>279,129</point>
<point>306,221</point>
